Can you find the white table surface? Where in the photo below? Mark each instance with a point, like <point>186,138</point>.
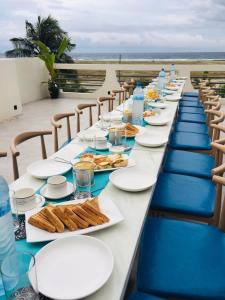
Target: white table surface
<point>123,238</point>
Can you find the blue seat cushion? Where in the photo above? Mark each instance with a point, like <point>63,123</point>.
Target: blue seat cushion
<point>191,110</point>
<point>190,141</point>
<point>142,296</point>
<point>189,163</point>
<point>192,99</point>
<point>191,127</point>
<point>190,104</point>
<point>191,94</point>
<point>182,260</point>
<point>193,118</point>
<point>184,194</point>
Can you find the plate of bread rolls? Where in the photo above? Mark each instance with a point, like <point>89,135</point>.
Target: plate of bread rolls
<point>70,218</point>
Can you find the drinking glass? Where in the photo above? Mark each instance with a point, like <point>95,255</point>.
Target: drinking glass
<point>83,177</point>
<point>19,276</point>
<point>115,136</point>
<point>105,121</point>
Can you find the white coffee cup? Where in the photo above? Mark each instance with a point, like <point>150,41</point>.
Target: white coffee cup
<point>56,185</point>
<point>24,199</point>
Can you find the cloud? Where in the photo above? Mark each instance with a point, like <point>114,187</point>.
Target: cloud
<point>124,24</point>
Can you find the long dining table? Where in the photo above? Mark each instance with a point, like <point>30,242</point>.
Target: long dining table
<point>122,238</point>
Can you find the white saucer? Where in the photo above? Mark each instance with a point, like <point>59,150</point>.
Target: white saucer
<point>90,134</point>
<point>57,196</point>
<point>40,203</point>
<point>152,141</point>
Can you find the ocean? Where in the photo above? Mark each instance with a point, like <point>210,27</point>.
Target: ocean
<point>123,56</point>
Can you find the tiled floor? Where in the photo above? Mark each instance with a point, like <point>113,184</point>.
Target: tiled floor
<point>36,116</point>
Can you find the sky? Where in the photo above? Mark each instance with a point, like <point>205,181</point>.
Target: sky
<point>123,25</point>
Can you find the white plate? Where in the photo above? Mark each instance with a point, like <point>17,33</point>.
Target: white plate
<point>141,129</point>
<point>158,120</point>
<point>172,98</point>
<point>131,163</point>
<point>68,191</point>
<point>73,267</point>
<point>157,105</point>
<point>172,88</point>
<point>45,168</point>
<point>90,134</point>
<point>132,180</point>
<point>40,201</point>
<point>167,92</point>
<point>106,205</point>
<point>149,140</point>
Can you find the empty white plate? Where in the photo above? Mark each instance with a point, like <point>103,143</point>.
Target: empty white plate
<point>150,140</point>
<point>172,98</point>
<point>133,179</point>
<point>157,105</point>
<point>73,267</point>
<point>45,168</point>
<point>158,120</point>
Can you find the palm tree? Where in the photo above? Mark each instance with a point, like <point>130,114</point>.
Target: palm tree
<point>46,30</point>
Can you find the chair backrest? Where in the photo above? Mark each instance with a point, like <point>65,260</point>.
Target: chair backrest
<point>219,180</point>
<point>56,125</point>
<point>79,111</point>
<point>101,100</point>
<point>20,138</point>
<point>215,128</point>
<point>121,95</point>
<point>129,88</point>
<point>3,154</point>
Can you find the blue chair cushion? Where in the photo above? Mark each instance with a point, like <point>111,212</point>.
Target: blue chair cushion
<point>192,99</point>
<point>191,127</point>
<point>190,141</point>
<point>189,163</point>
<point>193,118</point>
<point>191,94</point>
<point>191,110</point>
<point>182,260</point>
<point>190,104</point>
<point>184,194</point>
<point>142,296</point>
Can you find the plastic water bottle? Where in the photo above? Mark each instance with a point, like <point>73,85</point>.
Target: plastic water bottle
<point>7,237</point>
<point>172,72</point>
<point>138,105</point>
<point>161,79</point>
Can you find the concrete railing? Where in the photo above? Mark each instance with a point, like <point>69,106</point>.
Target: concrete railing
<point>21,79</point>
<point>111,80</point>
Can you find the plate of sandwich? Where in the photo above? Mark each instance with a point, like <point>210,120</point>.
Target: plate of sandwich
<point>70,218</point>
<point>106,162</point>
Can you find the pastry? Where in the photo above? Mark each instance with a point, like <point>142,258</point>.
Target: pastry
<point>39,221</point>
<point>53,218</point>
<point>75,218</point>
<point>67,221</point>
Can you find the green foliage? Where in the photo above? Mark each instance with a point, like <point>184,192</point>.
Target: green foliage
<point>49,57</point>
<point>221,91</point>
<point>46,30</point>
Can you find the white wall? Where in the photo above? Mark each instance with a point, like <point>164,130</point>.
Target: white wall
<point>20,83</point>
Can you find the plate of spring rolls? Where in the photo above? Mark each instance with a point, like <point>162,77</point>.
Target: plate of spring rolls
<point>70,218</point>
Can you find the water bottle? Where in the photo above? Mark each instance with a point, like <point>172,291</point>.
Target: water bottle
<point>161,79</point>
<point>7,237</point>
<point>172,72</point>
<point>138,105</point>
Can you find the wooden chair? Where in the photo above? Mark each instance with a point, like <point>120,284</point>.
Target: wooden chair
<point>101,100</point>
<point>129,88</point>
<point>79,111</point>
<point>3,154</point>
<point>57,125</point>
<point>22,138</point>
<point>121,95</point>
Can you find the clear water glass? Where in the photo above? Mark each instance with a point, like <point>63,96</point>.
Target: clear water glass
<point>19,276</point>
